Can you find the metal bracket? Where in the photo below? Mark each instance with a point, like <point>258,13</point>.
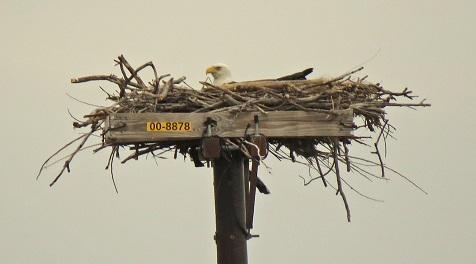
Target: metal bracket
<point>211,147</point>
<point>259,140</point>
<point>250,207</point>
<point>257,150</point>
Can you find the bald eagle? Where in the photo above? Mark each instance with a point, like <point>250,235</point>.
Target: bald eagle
<point>221,74</point>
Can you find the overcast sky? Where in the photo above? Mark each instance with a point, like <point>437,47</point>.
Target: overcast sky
<point>164,213</point>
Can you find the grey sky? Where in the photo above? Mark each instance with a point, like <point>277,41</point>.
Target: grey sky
<point>165,214</point>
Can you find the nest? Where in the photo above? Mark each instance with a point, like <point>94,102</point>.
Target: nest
<point>322,155</point>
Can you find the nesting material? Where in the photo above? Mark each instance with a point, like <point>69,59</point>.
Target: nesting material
<point>323,155</point>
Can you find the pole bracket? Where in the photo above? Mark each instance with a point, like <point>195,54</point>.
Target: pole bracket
<point>211,147</point>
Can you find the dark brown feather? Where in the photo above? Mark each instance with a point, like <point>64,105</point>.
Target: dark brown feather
<point>296,76</point>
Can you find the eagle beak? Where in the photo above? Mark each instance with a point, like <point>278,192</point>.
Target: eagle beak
<point>211,70</point>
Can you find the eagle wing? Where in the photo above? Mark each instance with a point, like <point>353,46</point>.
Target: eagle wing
<point>296,76</point>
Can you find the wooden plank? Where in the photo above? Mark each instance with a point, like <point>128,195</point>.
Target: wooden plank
<point>132,127</point>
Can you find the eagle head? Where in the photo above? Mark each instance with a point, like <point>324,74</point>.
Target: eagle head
<point>221,73</point>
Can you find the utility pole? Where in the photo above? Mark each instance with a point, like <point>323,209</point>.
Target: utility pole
<point>229,186</point>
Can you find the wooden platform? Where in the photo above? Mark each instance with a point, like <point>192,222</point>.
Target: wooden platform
<point>144,127</point>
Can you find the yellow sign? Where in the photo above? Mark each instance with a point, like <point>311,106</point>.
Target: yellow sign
<point>167,126</point>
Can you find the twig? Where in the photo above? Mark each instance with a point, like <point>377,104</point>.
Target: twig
<point>132,72</point>
<point>163,93</point>
<point>83,102</point>
<point>377,150</point>
<point>56,153</point>
<point>339,183</point>
<point>68,161</point>
<point>110,165</point>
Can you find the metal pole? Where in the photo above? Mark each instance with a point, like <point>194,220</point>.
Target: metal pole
<point>229,186</point>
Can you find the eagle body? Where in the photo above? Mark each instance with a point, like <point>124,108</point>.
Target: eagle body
<point>221,74</point>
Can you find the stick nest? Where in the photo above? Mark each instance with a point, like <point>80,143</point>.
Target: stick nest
<point>321,155</point>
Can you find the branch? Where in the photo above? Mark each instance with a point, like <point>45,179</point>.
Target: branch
<point>132,72</point>
<point>111,78</point>
<point>167,87</point>
<point>377,150</point>
<point>56,153</point>
<point>68,161</point>
<point>339,181</point>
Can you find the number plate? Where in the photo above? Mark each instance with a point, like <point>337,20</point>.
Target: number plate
<point>167,126</point>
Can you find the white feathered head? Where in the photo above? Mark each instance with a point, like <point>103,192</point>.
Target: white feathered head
<point>221,73</point>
